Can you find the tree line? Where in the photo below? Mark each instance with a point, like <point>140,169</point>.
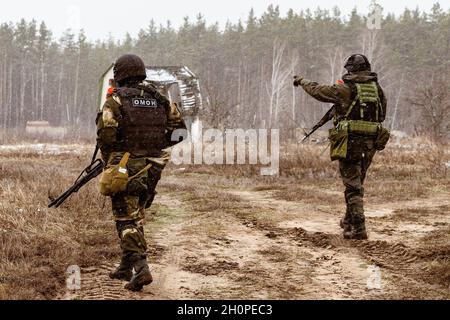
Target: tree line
<point>245,70</point>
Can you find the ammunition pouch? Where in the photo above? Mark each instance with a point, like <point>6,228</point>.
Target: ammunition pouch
<point>382,139</point>
<point>338,138</point>
<point>114,179</point>
<point>361,127</point>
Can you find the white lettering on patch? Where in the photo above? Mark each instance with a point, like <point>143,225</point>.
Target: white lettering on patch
<point>144,103</point>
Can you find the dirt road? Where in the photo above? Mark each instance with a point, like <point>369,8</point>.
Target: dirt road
<point>210,241</point>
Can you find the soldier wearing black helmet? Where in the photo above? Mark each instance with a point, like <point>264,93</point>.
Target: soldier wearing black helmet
<point>360,108</point>
<point>133,129</point>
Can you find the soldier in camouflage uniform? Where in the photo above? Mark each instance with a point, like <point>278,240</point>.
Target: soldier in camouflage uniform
<point>139,120</point>
<point>361,147</point>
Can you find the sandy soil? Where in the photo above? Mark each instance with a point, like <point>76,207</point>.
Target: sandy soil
<point>252,245</point>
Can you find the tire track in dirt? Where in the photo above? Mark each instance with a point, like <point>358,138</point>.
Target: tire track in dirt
<point>260,252</point>
<point>190,266</point>
<point>400,263</point>
<point>237,261</point>
<point>329,270</point>
<point>165,265</point>
<point>219,265</point>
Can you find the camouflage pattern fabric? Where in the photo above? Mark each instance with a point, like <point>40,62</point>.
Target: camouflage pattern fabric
<point>361,149</point>
<point>353,173</point>
<point>129,206</point>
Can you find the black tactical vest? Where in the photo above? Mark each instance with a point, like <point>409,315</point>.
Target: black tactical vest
<point>142,127</point>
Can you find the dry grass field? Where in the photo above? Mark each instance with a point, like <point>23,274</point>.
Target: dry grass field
<point>227,232</point>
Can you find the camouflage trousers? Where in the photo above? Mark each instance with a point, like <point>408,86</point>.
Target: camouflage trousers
<point>129,206</point>
<point>353,173</point>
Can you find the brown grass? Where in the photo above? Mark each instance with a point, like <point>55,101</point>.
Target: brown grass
<point>418,168</point>
<point>38,244</point>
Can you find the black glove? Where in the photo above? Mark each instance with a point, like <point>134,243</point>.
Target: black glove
<point>297,81</point>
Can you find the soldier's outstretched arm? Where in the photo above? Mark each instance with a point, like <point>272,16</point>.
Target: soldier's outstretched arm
<point>323,93</point>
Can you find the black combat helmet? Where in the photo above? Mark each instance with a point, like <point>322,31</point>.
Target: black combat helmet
<point>357,62</point>
<point>129,66</point>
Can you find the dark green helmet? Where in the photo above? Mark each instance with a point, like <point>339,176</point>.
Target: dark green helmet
<point>357,62</point>
<point>129,66</point>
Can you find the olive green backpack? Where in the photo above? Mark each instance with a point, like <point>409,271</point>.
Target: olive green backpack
<point>367,93</point>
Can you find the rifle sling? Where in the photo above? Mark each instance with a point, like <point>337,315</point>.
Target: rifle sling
<point>145,169</point>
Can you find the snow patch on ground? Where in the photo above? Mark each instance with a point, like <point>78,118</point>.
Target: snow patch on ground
<point>45,148</point>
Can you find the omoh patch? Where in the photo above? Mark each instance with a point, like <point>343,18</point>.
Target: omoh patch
<point>144,103</point>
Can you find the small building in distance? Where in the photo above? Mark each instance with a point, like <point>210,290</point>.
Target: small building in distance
<point>43,128</point>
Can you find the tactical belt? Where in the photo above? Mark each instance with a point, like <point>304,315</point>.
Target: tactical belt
<point>366,93</point>
<point>360,127</point>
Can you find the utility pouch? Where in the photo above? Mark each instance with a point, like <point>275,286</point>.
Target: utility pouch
<point>338,138</point>
<point>115,178</point>
<point>366,128</point>
<point>382,139</point>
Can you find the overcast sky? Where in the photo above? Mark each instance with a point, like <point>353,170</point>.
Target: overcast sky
<point>99,18</point>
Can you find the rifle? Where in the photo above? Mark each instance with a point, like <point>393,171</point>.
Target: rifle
<point>327,117</point>
<point>89,173</point>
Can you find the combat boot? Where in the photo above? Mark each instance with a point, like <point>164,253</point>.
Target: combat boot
<point>347,226</point>
<point>124,271</point>
<point>359,232</point>
<point>142,274</point>
<point>348,231</point>
<point>359,227</point>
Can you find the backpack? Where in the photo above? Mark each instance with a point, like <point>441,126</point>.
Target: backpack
<point>364,121</point>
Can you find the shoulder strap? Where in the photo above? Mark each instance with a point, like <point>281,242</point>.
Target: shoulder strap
<point>350,108</point>
<point>151,89</point>
<point>145,169</point>
<point>123,162</point>
<point>116,98</point>
<point>125,92</point>
<point>354,94</point>
<point>380,106</point>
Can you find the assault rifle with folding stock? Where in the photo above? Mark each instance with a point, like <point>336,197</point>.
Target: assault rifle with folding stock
<point>327,117</point>
<point>89,173</point>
